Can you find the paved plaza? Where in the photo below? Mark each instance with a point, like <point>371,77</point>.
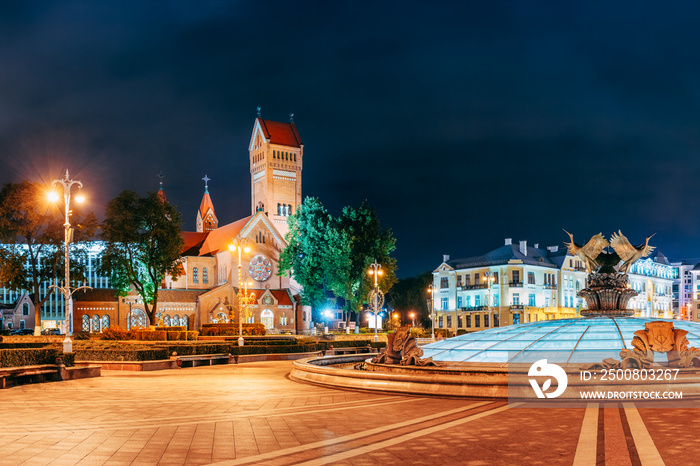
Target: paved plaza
<point>254,414</point>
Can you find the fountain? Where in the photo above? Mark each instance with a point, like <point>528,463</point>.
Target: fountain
<point>493,363</point>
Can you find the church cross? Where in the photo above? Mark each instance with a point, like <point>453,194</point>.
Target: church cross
<point>206,182</point>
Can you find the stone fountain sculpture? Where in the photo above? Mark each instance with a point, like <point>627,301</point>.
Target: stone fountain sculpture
<point>608,291</point>
<point>402,349</point>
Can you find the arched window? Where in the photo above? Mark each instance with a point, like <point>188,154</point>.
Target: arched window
<point>176,321</point>
<point>138,319</point>
<point>195,275</point>
<point>95,327</point>
<point>184,321</point>
<point>86,323</point>
<point>205,275</point>
<point>105,322</point>
<point>279,209</point>
<point>166,320</point>
<point>220,318</point>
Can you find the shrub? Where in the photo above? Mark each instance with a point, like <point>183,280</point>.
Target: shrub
<point>28,357</point>
<point>218,330</point>
<point>125,353</point>
<point>81,335</point>
<point>115,333</point>
<point>173,328</point>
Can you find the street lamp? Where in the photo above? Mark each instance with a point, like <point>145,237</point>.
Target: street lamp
<point>376,270</point>
<point>489,279</point>
<point>412,315</point>
<point>67,184</point>
<point>241,245</point>
<point>431,290</point>
<point>327,315</point>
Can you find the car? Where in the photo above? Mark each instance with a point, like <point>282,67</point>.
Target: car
<point>22,331</point>
<point>51,331</point>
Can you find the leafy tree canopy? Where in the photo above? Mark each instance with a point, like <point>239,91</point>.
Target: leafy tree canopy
<point>143,245</point>
<point>411,294</point>
<point>325,253</point>
<point>31,240</point>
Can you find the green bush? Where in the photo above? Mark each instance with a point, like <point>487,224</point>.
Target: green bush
<point>173,328</point>
<point>81,336</point>
<point>219,330</point>
<point>126,353</point>
<point>28,357</point>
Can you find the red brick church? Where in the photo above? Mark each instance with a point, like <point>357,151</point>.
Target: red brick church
<point>207,290</point>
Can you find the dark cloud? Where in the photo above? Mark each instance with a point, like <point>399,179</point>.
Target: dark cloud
<point>461,122</point>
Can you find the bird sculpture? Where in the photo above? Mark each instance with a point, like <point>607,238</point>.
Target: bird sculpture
<point>589,252</point>
<point>629,254</point>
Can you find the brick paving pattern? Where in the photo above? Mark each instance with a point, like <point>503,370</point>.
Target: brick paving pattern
<point>253,414</point>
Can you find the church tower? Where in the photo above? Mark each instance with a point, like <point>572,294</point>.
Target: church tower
<point>276,159</point>
<point>206,217</point>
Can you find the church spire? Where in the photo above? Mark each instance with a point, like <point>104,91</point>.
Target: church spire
<point>206,217</point>
<point>161,192</point>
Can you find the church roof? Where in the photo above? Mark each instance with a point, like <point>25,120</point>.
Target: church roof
<point>206,205</point>
<point>193,242</point>
<point>219,239</point>
<point>282,297</point>
<point>284,134</point>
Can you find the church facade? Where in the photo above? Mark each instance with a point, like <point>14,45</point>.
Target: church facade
<point>211,274</point>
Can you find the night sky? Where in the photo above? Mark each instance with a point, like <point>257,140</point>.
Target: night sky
<point>462,123</point>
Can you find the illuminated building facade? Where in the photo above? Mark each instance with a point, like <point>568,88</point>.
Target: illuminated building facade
<point>520,284</point>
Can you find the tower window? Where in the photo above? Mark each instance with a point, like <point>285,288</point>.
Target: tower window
<point>195,275</point>
<point>295,157</point>
<point>205,275</point>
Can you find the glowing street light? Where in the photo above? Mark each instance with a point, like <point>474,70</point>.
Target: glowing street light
<point>376,270</point>
<point>412,315</point>
<point>241,245</point>
<point>67,184</point>
<point>431,290</point>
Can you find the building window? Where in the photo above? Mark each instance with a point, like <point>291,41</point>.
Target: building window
<point>283,320</point>
<point>531,300</point>
<point>495,277</point>
<point>449,321</point>
<point>495,300</point>
<point>95,324</point>
<point>460,322</point>
<point>477,300</point>
<point>531,278</point>
<point>440,322</point>
<point>205,275</point>
<point>86,323</point>
<point>516,299</point>
<point>469,302</point>
<point>25,309</point>
<point>444,283</point>
<point>486,320</point>
<point>467,280</point>
<point>195,275</point>
<point>516,276</point>
<point>477,320</point>
<point>105,321</point>
<point>444,303</point>
<point>469,321</point>
<point>459,302</point>
<point>459,280</point>
<point>21,323</point>
<point>476,278</point>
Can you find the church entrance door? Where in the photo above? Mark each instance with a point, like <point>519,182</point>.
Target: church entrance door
<point>267,317</point>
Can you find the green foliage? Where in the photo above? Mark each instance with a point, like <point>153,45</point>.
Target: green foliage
<point>124,353</point>
<point>333,254</point>
<point>28,356</point>
<point>411,294</point>
<point>143,245</point>
<point>26,218</point>
<point>231,329</point>
<point>316,251</point>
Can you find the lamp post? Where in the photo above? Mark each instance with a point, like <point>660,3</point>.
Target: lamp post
<point>67,184</point>
<point>376,270</point>
<point>240,244</point>
<point>431,290</point>
<point>412,315</point>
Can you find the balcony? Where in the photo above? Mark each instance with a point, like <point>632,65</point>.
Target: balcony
<point>476,286</point>
<point>473,308</point>
<point>517,307</point>
<point>550,286</point>
<point>515,284</point>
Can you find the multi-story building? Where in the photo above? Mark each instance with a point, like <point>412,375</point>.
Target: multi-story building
<point>518,284</point>
<point>653,278</point>
<point>53,309</point>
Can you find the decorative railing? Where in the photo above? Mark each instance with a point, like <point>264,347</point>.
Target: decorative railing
<point>516,284</point>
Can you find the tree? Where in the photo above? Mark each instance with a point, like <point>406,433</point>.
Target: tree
<point>333,254</point>
<point>411,294</point>
<point>32,235</point>
<point>315,252</point>
<point>143,245</point>
<point>368,242</point>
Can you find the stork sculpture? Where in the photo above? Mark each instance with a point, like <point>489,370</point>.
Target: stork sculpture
<point>627,252</point>
<point>590,251</point>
